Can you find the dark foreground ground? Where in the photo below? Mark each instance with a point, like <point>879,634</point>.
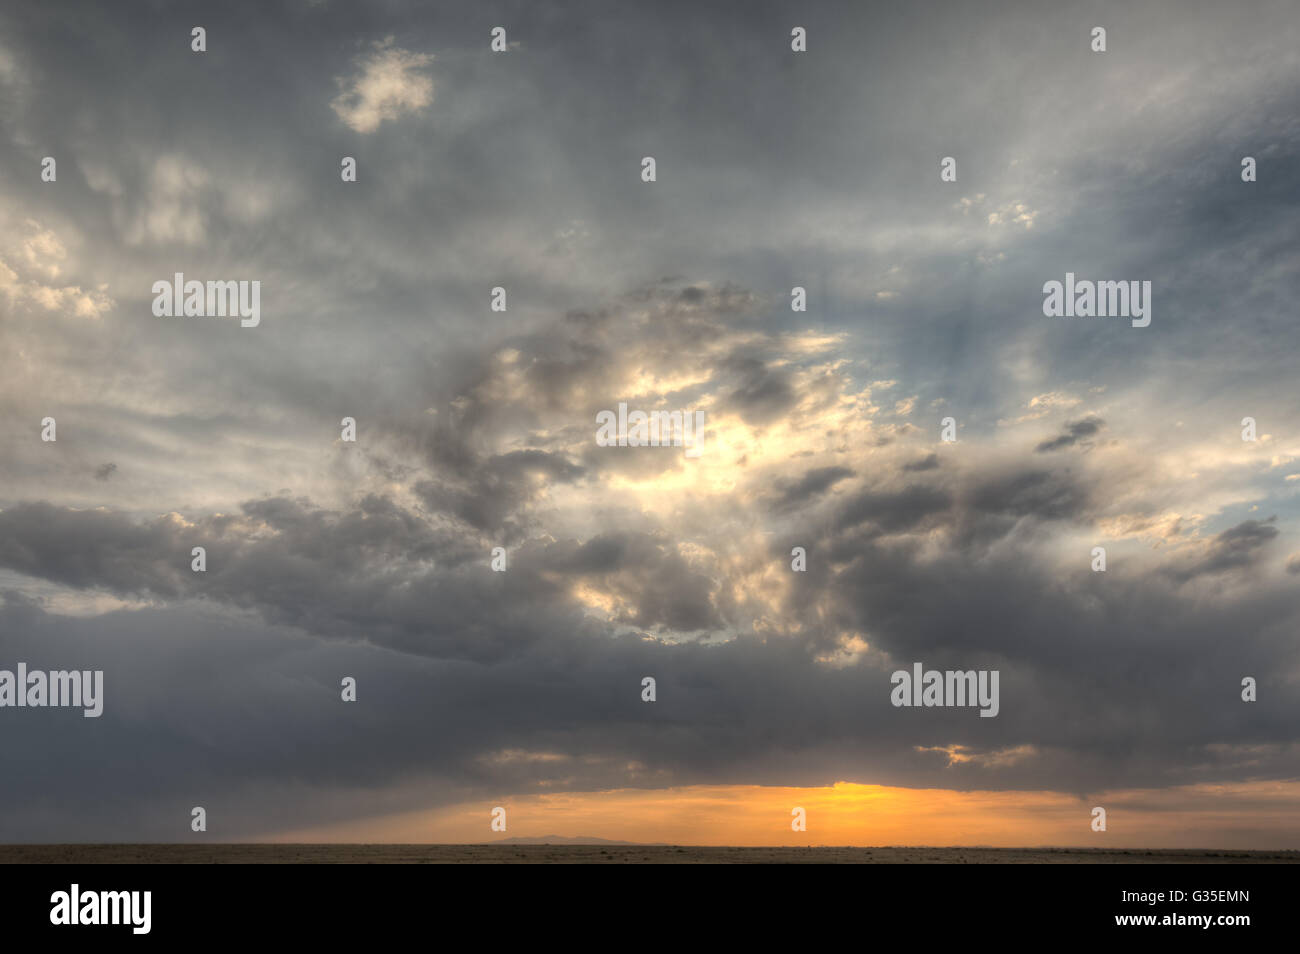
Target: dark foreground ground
<point>602,854</point>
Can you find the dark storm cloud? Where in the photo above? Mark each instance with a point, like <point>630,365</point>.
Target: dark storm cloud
<point>660,586</point>
<point>763,394</point>
<point>378,572</point>
<point>326,571</point>
<point>1025,492</point>
<point>812,484</point>
<point>1076,432</point>
<point>91,549</point>
<point>1237,548</point>
<point>890,511</point>
<point>493,489</point>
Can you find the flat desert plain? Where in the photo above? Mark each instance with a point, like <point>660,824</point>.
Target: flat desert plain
<point>610,854</point>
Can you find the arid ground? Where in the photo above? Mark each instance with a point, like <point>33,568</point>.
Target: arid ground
<point>603,854</point>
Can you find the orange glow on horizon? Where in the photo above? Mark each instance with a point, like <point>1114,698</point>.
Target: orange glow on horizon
<point>1254,815</point>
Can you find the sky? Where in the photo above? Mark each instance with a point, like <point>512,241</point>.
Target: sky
<point>476,428</point>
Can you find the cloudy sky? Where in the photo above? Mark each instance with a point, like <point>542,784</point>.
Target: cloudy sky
<point>476,428</point>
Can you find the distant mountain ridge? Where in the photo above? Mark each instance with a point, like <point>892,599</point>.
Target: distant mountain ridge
<point>566,840</point>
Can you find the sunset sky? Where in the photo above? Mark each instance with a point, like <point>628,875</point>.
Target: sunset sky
<point>477,428</point>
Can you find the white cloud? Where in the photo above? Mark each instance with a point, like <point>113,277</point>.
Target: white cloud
<point>390,83</point>
<point>39,255</point>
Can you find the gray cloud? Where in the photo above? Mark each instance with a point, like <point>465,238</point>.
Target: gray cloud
<point>1075,433</point>
<point>1236,548</point>
<point>928,462</point>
